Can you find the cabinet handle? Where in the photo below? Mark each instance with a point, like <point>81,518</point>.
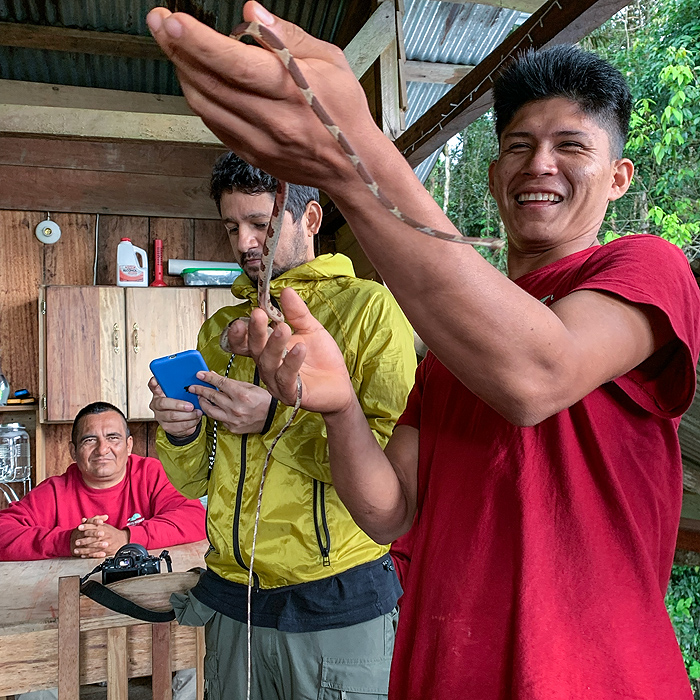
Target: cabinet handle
<point>115,337</point>
<point>136,337</point>
<point>204,308</point>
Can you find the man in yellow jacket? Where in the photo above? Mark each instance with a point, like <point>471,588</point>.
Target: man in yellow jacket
<point>324,594</point>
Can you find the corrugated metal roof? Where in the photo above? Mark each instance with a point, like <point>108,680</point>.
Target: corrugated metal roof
<point>443,32</point>
<point>319,17</point>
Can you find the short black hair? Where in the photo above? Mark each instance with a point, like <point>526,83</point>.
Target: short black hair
<point>598,88</point>
<point>90,410</point>
<point>233,173</point>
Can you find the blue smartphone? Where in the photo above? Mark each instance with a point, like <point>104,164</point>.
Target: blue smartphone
<point>176,372</point>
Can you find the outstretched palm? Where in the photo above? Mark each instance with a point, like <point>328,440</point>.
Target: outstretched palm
<point>312,354</point>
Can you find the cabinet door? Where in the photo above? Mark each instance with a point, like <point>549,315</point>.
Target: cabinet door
<point>84,358</point>
<point>218,297</point>
<point>160,321</point>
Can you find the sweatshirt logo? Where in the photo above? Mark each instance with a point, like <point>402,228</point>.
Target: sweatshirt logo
<point>135,519</point>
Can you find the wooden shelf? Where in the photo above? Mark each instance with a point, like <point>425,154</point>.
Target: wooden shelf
<point>16,408</point>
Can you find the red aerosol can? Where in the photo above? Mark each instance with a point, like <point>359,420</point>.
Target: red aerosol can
<point>158,267</point>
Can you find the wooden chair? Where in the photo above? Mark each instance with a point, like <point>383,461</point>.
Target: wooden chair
<point>81,648</point>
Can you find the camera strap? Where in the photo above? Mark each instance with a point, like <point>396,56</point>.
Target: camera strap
<point>113,601</point>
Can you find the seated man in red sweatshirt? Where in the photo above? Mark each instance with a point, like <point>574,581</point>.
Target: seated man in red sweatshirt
<point>105,499</point>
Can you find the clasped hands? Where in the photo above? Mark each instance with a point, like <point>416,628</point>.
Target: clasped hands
<point>94,539</point>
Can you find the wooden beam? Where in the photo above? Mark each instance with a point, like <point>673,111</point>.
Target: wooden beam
<point>689,535</point>
<point>34,36</point>
<point>430,72</point>
<point>522,5</point>
<point>20,92</point>
<point>374,37</point>
<point>389,82</point>
<point>401,44</point>
<point>162,159</point>
<point>554,23</point>
<point>30,120</point>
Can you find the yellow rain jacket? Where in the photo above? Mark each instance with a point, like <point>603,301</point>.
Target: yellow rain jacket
<point>305,532</point>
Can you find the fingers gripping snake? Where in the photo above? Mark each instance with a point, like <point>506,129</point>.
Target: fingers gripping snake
<point>270,41</point>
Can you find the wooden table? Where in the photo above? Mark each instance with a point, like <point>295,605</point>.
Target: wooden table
<point>29,625</point>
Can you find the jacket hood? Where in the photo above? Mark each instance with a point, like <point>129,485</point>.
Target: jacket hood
<point>325,266</point>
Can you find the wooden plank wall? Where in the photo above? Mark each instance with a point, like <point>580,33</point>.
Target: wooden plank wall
<point>80,178</point>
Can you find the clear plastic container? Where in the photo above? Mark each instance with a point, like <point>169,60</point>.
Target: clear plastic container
<point>4,389</point>
<point>209,276</point>
<point>15,458</point>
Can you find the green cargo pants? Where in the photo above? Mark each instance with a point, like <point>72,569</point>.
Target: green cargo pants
<point>350,663</point>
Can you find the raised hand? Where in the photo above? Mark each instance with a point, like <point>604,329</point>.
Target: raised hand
<point>311,353</point>
<point>247,98</point>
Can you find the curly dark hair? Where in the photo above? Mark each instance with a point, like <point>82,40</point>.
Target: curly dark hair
<point>598,88</point>
<point>233,173</point>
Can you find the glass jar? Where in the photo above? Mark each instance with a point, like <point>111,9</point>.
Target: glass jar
<point>15,457</point>
<point>4,389</point>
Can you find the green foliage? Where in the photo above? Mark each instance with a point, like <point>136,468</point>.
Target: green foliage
<point>683,605</point>
<point>471,207</point>
<point>657,47</point>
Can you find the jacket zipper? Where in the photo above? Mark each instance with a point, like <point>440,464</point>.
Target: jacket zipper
<point>320,505</point>
<point>239,501</point>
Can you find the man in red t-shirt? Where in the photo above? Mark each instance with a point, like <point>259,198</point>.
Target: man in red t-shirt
<point>537,464</point>
<point>105,499</point>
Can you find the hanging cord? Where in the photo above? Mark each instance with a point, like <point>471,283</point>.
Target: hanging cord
<point>212,454</point>
<point>293,415</point>
<point>212,457</point>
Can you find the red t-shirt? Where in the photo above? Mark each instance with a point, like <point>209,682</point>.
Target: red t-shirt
<point>540,556</point>
<point>40,525</point>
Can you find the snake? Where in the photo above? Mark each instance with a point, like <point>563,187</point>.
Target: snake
<point>269,40</point>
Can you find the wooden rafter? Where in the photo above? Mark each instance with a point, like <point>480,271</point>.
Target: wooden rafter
<point>374,37</point>
<point>66,122</point>
<point>555,22</point>
<point>522,5</point>
<point>430,72</point>
<point>79,41</point>
<point>20,92</point>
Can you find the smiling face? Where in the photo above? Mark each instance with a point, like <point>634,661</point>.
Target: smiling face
<point>102,449</point>
<point>552,181</point>
<point>246,218</point>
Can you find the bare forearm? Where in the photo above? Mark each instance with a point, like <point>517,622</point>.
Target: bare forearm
<point>365,479</point>
<point>481,325</point>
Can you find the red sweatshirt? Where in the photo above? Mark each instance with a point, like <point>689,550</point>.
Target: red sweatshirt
<point>40,525</point>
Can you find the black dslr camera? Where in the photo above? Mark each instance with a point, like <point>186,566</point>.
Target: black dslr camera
<point>132,560</point>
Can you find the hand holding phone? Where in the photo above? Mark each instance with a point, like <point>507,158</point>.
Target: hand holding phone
<point>176,373</point>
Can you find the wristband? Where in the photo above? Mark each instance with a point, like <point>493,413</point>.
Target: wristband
<point>270,416</point>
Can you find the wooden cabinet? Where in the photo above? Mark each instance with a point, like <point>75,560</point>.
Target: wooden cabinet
<point>96,344</point>
<point>218,297</point>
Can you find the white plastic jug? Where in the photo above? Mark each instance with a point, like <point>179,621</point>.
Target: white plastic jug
<point>131,272</point>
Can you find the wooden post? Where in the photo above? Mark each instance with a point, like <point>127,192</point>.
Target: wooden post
<point>69,638</point>
<point>117,675</point>
<point>160,662</point>
<point>389,83</point>
<point>200,651</point>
